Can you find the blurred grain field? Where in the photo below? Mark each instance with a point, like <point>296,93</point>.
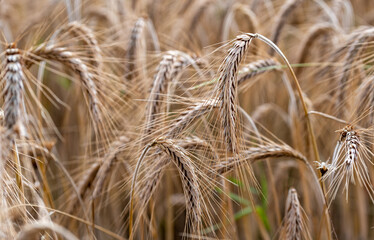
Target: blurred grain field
<point>190,119</point>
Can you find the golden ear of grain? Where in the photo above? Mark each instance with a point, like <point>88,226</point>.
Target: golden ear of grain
<point>188,176</point>
<point>293,218</point>
<point>294,226</point>
<point>190,114</point>
<point>13,90</point>
<point>357,46</point>
<point>256,68</point>
<point>85,34</point>
<point>254,154</point>
<point>228,94</point>
<point>69,59</point>
<point>152,180</point>
<point>136,34</point>
<point>348,164</point>
<point>159,87</point>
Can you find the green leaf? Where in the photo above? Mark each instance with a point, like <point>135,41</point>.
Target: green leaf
<point>243,212</point>
<point>261,212</point>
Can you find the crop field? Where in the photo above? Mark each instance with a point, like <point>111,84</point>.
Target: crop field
<point>187,119</point>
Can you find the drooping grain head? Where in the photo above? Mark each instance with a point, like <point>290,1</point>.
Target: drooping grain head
<point>85,34</point>
<point>159,87</point>
<point>256,68</point>
<point>190,114</point>
<point>254,154</point>
<point>188,176</point>
<point>228,94</point>
<point>71,60</point>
